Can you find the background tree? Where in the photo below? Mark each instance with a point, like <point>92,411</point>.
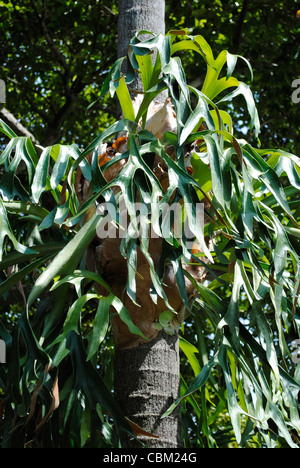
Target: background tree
<point>48,88</point>
<point>53,65</point>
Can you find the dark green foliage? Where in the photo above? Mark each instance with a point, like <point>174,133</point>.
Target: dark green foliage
<point>55,56</point>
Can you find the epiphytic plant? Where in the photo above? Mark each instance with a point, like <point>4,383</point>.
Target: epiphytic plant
<point>249,300</point>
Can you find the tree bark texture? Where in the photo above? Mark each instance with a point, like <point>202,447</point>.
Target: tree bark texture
<point>147,382</point>
<point>138,15</point>
<point>146,376</point>
<point>15,125</point>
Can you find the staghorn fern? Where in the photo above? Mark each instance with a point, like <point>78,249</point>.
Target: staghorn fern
<point>252,216</point>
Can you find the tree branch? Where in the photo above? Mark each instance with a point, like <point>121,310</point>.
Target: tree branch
<point>239,28</point>
<point>15,125</point>
<point>49,39</point>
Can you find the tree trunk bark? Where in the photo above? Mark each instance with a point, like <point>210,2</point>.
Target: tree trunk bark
<point>147,382</point>
<point>138,15</point>
<point>146,377</point>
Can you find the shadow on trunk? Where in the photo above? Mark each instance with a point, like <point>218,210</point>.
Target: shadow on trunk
<point>147,381</point>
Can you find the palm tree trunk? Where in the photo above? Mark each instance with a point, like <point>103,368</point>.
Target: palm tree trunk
<point>146,377</point>
<point>146,383</point>
<point>138,15</point>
